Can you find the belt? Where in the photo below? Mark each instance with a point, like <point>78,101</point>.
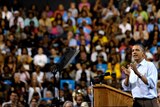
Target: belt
<point>144,98</point>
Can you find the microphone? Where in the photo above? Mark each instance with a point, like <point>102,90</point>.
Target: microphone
<point>99,78</point>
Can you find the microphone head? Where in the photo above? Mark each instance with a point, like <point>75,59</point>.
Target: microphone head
<point>107,74</point>
<point>99,78</point>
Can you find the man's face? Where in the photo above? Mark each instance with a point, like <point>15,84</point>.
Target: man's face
<point>137,53</point>
<point>33,102</point>
<point>13,97</point>
<point>40,51</point>
<point>17,78</point>
<point>68,105</point>
<point>79,100</point>
<point>48,94</point>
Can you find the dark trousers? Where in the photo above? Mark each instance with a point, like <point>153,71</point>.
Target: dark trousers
<point>144,102</point>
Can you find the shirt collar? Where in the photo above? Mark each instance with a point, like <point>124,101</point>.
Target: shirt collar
<point>142,62</point>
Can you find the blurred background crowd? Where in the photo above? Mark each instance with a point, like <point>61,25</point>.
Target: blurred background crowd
<point>32,40</point>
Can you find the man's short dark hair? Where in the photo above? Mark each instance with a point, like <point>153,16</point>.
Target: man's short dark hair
<point>141,46</point>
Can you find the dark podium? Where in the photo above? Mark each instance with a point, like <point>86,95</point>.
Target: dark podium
<point>107,96</point>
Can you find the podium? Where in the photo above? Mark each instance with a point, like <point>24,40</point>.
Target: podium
<point>107,96</point>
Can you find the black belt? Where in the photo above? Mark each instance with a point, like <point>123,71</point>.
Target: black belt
<point>144,98</point>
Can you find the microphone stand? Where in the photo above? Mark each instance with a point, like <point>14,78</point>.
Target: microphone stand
<point>54,68</point>
<point>65,60</point>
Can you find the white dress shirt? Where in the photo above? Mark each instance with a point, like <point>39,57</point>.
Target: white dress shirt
<point>138,88</point>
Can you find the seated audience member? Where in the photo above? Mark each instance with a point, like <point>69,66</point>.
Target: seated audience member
<point>79,99</point>
<point>68,104</point>
<point>33,103</point>
<point>89,96</point>
<point>51,86</point>
<point>34,87</point>
<point>40,58</point>
<point>48,96</point>
<point>39,74</point>
<point>83,72</point>
<point>84,3</point>
<point>18,86</point>
<point>24,75</point>
<point>13,100</point>
<point>24,56</point>
<point>73,9</point>
<point>67,92</point>
<point>6,78</point>
<point>84,104</point>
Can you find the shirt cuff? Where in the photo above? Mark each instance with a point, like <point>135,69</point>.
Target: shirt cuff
<point>150,83</point>
<point>126,88</point>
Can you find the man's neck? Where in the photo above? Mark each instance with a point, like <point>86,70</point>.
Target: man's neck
<point>139,61</point>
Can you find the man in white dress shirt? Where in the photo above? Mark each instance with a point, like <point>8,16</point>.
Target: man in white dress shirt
<point>141,79</point>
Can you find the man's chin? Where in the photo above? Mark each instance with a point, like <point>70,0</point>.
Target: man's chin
<point>136,59</point>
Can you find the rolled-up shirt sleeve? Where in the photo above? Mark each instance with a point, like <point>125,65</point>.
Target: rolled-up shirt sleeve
<point>152,76</point>
<point>125,88</point>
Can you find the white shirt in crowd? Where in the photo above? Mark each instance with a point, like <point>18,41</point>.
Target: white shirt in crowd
<point>78,75</point>
<point>7,14</point>
<point>124,28</point>
<point>40,59</point>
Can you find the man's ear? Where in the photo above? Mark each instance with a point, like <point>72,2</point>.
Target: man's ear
<point>144,55</point>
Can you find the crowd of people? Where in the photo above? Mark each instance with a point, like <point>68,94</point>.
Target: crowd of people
<point>32,42</point>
